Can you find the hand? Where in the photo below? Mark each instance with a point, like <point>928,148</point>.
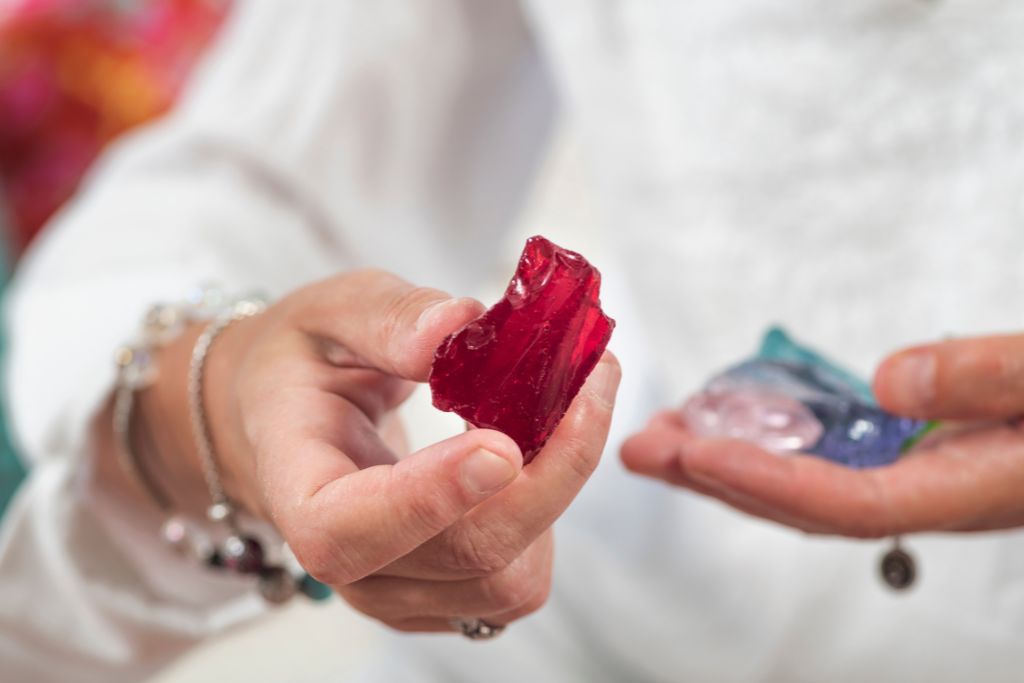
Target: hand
<point>962,479</point>
<point>301,403</point>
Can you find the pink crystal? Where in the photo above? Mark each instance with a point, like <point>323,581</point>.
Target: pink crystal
<point>517,367</point>
<point>772,421</point>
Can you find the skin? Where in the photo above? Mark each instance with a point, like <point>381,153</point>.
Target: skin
<point>301,404</point>
<point>969,477</point>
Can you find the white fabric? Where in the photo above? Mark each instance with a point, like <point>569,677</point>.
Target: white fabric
<point>853,172</point>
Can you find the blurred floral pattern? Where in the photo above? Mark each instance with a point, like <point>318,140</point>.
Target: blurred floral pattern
<point>74,74</point>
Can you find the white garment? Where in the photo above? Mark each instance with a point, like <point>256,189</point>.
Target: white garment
<point>853,172</point>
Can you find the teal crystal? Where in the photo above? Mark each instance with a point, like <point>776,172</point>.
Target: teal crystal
<point>777,345</point>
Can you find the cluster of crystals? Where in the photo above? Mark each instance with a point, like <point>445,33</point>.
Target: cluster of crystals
<point>789,398</point>
<point>517,367</point>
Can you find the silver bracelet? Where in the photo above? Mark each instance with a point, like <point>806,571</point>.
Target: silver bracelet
<point>136,370</point>
<point>239,552</point>
<point>221,508</point>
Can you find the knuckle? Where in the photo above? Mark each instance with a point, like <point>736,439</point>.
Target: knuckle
<point>990,368</point>
<point>322,558</point>
<point>361,599</point>
<point>367,273</point>
<point>362,279</point>
<point>585,426</point>
<point>509,591</point>
<point>1011,379</point>
<point>587,413</point>
<point>996,376</point>
<point>382,602</point>
<point>320,562</point>
<point>580,456</point>
<point>402,311</point>
<point>534,603</point>
<point>428,511</point>
<point>477,551</point>
<point>538,599</point>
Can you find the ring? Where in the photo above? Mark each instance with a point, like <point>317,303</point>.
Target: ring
<point>477,629</point>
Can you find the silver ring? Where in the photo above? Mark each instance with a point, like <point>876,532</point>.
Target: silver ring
<point>477,629</point>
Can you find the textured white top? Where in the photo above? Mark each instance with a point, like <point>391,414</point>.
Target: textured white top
<point>851,170</point>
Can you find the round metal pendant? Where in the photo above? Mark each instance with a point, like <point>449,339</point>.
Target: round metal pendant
<point>898,569</point>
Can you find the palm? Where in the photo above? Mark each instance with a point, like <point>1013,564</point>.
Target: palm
<point>328,401</point>
<point>967,479</point>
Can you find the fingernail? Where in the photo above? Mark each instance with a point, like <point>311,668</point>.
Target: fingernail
<point>605,381</point>
<point>433,312</point>
<point>483,471</point>
<point>912,379</point>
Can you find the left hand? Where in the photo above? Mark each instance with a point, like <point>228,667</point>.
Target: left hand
<point>967,479</point>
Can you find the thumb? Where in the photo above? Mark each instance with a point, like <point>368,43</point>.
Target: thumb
<point>975,378</point>
<point>389,323</point>
<point>367,519</point>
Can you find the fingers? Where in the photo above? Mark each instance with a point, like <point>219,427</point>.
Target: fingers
<point>959,379</point>
<point>343,527</point>
<point>657,452</point>
<point>495,533</point>
<point>801,491</point>
<point>381,320</point>
<point>520,589</point>
<point>654,451</point>
<point>374,392</point>
<point>966,481</point>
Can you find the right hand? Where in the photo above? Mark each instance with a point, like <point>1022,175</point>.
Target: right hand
<point>301,403</point>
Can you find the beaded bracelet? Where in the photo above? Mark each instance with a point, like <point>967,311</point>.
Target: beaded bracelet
<point>136,369</point>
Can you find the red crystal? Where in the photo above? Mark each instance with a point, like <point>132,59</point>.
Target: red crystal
<point>517,367</point>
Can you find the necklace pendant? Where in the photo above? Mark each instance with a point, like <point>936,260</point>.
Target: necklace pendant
<point>898,568</point>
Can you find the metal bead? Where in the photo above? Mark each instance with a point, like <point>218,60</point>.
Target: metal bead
<point>163,322</point>
<point>276,585</point>
<point>123,356</point>
<point>248,307</point>
<point>174,531</point>
<point>136,366</point>
<point>206,301</point>
<point>219,512</point>
<point>185,539</point>
<point>243,554</point>
<point>898,569</point>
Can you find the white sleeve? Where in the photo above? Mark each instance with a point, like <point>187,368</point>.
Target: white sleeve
<point>318,136</point>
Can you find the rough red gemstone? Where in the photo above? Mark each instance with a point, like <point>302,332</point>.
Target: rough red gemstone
<point>517,367</point>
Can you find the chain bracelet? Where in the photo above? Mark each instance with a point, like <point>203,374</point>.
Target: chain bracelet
<point>221,508</point>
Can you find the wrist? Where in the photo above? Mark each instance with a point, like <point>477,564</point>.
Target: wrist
<point>164,412</point>
<point>175,422</point>
<point>162,421</point>
<point>225,364</point>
